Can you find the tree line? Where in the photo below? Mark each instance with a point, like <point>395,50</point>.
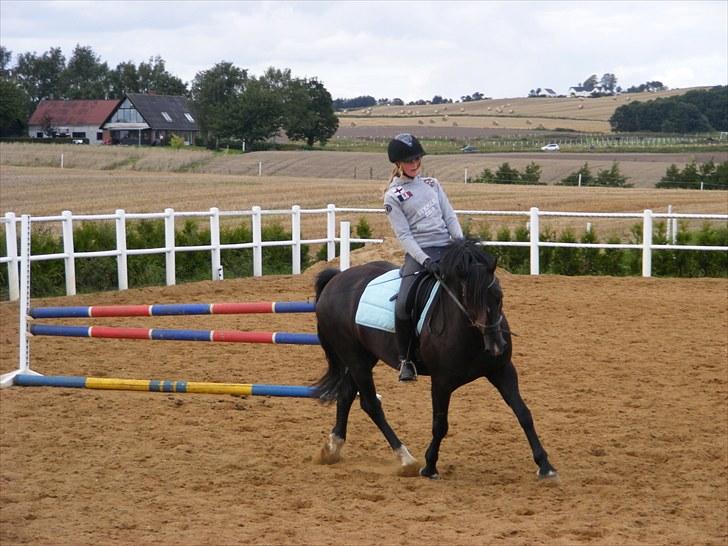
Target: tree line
<point>229,103</point>
<point>697,111</point>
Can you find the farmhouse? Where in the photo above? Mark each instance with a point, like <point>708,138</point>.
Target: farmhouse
<point>77,119</point>
<point>597,91</point>
<point>151,120</point>
<point>543,92</point>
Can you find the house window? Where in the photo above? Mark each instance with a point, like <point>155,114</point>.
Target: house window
<point>79,134</point>
<point>99,136</point>
<point>127,114</point>
<point>39,134</point>
<point>189,117</point>
<point>166,116</point>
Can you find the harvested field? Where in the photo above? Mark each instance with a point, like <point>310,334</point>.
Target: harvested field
<point>520,114</point>
<point>643,170</point>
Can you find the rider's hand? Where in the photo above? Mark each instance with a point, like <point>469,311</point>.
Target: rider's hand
<point>431,267</point>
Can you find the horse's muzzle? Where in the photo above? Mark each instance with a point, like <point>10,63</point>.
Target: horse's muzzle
<point>493,340</point>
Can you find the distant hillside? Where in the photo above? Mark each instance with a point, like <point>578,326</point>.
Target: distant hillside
<point>498,115</point>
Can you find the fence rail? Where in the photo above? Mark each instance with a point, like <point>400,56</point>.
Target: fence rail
<point>12,257</point>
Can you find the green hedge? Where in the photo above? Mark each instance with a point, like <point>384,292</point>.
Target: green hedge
<point>613,262</point>
<point>99,274</point>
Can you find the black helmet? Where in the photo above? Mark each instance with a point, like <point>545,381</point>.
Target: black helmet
<point>404,147</point>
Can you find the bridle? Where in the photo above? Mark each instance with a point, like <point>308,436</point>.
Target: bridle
<point>484,328</point>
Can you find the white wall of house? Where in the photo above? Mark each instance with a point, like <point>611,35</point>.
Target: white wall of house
<point>93,133</point>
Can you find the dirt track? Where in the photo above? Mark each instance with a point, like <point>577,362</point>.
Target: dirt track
<point>627,380</point>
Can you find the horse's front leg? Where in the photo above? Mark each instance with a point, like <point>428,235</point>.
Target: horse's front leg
<point>506,381</point>
<point>440,405</point>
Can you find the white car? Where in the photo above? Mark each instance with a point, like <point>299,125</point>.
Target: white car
<point>550,148</point>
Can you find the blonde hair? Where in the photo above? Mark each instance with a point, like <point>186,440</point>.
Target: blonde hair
<point>396,171</point>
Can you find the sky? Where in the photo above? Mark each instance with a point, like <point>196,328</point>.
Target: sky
<point>409,50</point>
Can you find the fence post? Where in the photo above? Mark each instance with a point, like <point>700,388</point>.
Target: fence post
<point>67,229</point>
<point>11,247</point>
<point>330,232</point>
<point>216,262</point>
<point>647,244</point>
<point>533,227</point>
<point>257,240</point>
<point>169,246</point>
<point>121,260</point>
<point>344,236</point>
<point>296,236</point>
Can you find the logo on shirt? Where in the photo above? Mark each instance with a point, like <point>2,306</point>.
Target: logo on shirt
<point>401,194</point>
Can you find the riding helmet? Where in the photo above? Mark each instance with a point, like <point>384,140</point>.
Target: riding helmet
<point>404,147</point>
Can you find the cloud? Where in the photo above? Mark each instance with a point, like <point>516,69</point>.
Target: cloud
<point>408,50</point>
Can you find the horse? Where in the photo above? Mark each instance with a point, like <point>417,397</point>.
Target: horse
<point>466,336</point>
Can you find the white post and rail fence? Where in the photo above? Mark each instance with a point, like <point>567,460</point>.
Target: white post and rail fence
<point>12,257</point>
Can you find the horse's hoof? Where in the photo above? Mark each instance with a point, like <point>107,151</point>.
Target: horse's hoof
<point>547,476</point>
<point>408,470</point>
<point>331,452</point>
<point>432,476</point>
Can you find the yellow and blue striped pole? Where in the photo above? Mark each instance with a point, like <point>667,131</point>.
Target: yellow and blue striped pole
<point>156,385</point>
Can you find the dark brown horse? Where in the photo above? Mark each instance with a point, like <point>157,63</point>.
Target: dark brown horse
<point>466,336</point>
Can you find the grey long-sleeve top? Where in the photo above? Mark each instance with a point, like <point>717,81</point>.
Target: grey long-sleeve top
<point>420,214</point>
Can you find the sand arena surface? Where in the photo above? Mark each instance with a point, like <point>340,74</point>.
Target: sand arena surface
<point>626,380</point>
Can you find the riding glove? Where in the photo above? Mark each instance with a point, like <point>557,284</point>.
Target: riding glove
<point>431,267</point>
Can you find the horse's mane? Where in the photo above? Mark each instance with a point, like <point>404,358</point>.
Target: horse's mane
<point>464,262</point>
<point>461,255</point>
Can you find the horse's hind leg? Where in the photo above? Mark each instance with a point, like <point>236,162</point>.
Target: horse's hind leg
<point>331,451</point>
<point>506,381</point>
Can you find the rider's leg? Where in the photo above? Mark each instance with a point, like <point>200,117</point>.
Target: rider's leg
<point>403,321</point>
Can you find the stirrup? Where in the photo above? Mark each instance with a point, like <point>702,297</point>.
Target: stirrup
<point>407,371</point>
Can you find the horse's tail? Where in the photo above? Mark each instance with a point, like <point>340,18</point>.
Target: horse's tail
<point>323,278</point>
<point>329,386</point>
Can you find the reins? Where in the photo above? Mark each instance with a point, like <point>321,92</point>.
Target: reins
<point>484,327</point>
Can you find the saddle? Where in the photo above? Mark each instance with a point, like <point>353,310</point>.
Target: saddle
<point>376,305</point>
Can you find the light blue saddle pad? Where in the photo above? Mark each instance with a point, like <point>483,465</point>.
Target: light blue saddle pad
<point>376,306</point>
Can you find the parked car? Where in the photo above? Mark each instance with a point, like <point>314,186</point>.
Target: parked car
<point>553,147</point>
<point>469,150</point>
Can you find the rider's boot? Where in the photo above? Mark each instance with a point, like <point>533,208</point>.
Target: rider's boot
<point>403,329</point>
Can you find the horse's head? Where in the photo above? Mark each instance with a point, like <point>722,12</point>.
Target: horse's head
<point>469,271</point>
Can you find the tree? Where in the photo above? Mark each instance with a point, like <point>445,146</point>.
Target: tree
<point>696,111</point>
<point>254,115</point>
<point>14,108</point>
<point>154,78</point>
<point>610,177</point>
<point>214,91</point>
<point>5,57</point>
<point>124,79</point>
<point>309,112</point>
<point>590,83</point>
<point>507,174</point>
<point>574,178</point>
<point>86,77</point>
<point>41,77</point>
<point>532,174</point>
<point>608,81</point>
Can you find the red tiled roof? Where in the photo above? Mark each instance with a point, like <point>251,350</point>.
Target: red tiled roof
<point>73,112</point>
